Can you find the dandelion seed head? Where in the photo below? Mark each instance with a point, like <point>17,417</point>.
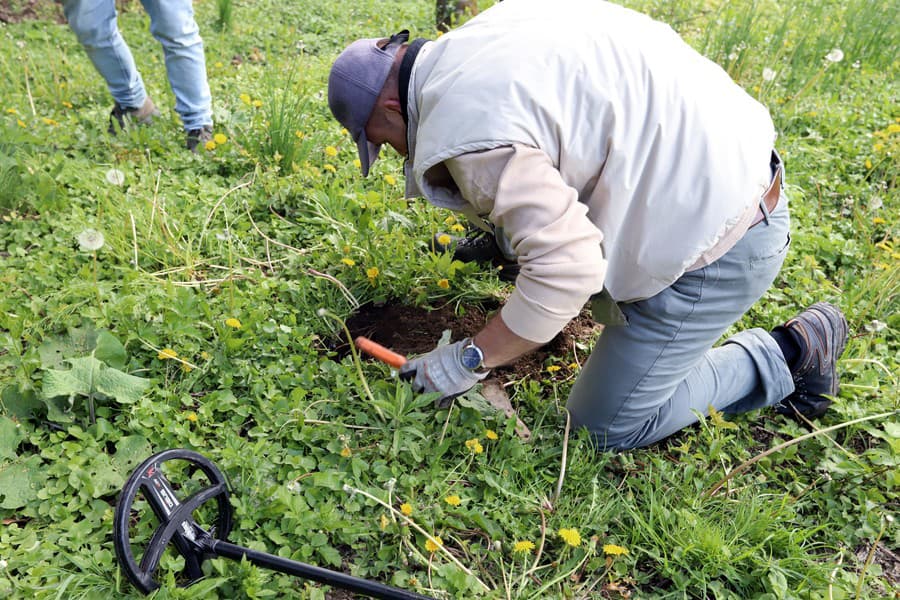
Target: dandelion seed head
<point>322,312</point>
<point>835,56</point>
<point>768,74</point>
<point>90,240</point>
<point>115,177</point>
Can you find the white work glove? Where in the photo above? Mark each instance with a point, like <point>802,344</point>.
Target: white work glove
<point>441,370</point>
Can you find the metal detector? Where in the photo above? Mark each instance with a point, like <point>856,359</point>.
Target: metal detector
<point>195,544</point>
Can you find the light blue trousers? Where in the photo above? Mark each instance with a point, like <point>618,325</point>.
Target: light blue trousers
<point>172,24</point>
<point>646,380</point>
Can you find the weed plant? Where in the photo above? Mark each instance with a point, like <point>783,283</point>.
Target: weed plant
<point>196,323</point>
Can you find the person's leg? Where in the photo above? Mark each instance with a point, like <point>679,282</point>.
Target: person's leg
<point>172,24</point>
<point>649,379</point>
<point>94,24</point>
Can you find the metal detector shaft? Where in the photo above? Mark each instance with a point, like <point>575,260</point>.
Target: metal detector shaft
<point>326,576</point>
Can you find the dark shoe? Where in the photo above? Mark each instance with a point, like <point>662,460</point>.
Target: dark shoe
<point>477,246</point>
<point>822,332</point>
<point>121,117</point>
<point>196,137</point>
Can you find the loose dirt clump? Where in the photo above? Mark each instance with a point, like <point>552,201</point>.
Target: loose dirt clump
<point>16,11</point>
<point>410,330</point>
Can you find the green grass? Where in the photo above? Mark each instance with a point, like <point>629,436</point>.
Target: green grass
<point>275,223</point>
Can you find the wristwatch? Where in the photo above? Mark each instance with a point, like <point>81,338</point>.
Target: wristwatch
<point>472,357</point>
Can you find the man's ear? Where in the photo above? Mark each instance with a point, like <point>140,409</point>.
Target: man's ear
<point>393,104</point>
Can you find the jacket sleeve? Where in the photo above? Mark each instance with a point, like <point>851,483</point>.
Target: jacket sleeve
<point>558,247</point>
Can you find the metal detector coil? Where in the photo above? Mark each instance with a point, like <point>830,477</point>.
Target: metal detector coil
<point>195,544</point>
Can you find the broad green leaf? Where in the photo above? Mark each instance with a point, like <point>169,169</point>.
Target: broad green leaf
<point>88,375</point>
<point>21,405</point>
<point>20,482</point>
<point>10,436</point>
<point>110,350</point>
<point>77,342</point>
<point>130,451</point>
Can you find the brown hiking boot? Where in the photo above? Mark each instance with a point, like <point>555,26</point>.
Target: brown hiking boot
<point>120,116</point>
<point>197,137</point>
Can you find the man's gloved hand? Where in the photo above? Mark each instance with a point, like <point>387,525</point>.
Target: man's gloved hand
<point>441,370</point>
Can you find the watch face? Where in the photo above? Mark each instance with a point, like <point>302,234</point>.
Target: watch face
<point>472,357</point>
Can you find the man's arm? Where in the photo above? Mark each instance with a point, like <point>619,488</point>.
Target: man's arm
<point>500,345</point>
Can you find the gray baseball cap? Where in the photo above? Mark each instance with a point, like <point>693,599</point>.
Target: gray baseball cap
<point>356,79</point>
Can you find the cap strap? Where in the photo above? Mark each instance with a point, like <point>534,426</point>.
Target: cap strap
<point>406,66</point>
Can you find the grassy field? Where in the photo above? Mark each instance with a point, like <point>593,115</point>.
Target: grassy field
<point>210,316</point>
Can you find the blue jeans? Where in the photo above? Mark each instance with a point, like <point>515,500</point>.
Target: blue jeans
<point>646,380</point>
<point>172,24</point>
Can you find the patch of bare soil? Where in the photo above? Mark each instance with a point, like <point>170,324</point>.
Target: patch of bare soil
<point>410,330</point>
<point>16,11</point>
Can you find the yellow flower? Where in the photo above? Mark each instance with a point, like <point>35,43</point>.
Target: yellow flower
<point>457,228</point>
<point>166,353</point>
<point>444,239</point>
<point>450,220</point>
<point>186,368</point>
<point>570,536</point>
<point>218,64</point>
<point>444,284</point>
<point>383,522</point>
<point>372,272</point>
<point>220,138</point>
<point>210,145</point>
<point>12,111</point>
<point>67,104</point>
<point>613,550</point>
<point>205,355</point>
<point>344,131</point>
<point>346,452</point>
<point>490,434</point>
<point>406,508</point>
<point>432,546</point>
<point>329,168</point>
<point>389,179</point>
<point>348,261</point>
<point>474,446</point>
<point>553,368</point>
<point>357,163</point>
<point>878,221</point>
<point>893,128</point>
<point>330,151</point>
<point>257,103</point>
<point>523,547</point>
<point>192,417</point>
<point>868,164</point>
<point>21,123</point>
<point>245,98</point>
<point>49,121</point>
<point>573,365</point>
<point>233,323</point>
<point>453,500</point>
<point>300,135</point>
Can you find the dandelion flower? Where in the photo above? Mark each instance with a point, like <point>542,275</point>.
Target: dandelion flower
<point>406,508</point>
<point>444,284</point>
<point>553,368</point>
<point>12,111</point>
<point>330,151</point>
<point>453,500</point>
<point>570,536</point>
<point>390,180</point>
<point>383,522</point>
<point>868,164</point>
<point>372,272</point>
<point>329,168</point>
<point>474,446</point>
<point>166,354</point>
<point>348,261</point>
<point>191,416</point>
<point>444,239</point>
<point>300,135</point>
<point>768,74</point>
<point>449,220</point>
<point>67,104</point>
<point>220,138</point>
<point>835,56</point>
<point>878,221</point>
<point>523,547</point>
<point>48,121</point>
<point>210,145</point>
<point>233,323</point>
<point>346,452</point>
<point>90,240</point>
<point>457,228</point>
<point>490,434</point>
<point>218,64</point>
<point>433,545</point>
<point>21,123</point>
<point>245,98</point>
<point>257,103</point>
<point>357,163</point>
<point>614,550</point>
<point>115,177</point>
